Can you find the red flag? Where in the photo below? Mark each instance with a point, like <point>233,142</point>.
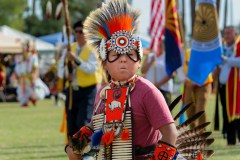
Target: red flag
<point>157,23</point>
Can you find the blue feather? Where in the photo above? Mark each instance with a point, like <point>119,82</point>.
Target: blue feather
<point>96,137</point>
<point>182,117</point>
<point>106,29</point>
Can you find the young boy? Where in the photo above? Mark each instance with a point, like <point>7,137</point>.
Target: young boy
<point>129,110</point>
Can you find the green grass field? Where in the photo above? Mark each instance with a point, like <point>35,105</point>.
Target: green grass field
<point>33,133</point>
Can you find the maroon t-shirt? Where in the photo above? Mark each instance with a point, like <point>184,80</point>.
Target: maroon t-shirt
<point>150,112</point>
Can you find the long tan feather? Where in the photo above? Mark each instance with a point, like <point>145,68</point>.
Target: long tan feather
<point>201,144</point>
<point>196,137</point>
<point>194,131</point>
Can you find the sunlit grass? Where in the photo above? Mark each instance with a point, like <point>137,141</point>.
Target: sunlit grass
<point>33,133</point>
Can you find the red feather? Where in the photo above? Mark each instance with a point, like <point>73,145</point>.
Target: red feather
<point>125,134</point>
<point>107,138</point>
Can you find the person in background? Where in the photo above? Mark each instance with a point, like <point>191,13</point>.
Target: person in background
<point>127,102</point>
<point>51,79</point>
<point>84,79</point>
<point>229,85</point>
<point>154,69</point>
<point>197,94</point>
<point>27,73</point>
<point>2,82</point>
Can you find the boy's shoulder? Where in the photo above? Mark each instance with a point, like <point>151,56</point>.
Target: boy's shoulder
<point>144,84</point>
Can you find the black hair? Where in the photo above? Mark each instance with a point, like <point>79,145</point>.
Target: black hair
<point>78,24</point>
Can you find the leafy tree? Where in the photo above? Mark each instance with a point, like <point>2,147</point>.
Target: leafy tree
<point>38,27</point>
<point>41,26</point>
<point>11,13</point>
<point>81,8</point>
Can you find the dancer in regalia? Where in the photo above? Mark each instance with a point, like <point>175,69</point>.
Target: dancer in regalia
<point>229,85</point>
<point>27,72</point>
<point>131,119</point>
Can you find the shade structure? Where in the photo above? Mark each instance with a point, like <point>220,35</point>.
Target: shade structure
<point>56,38</point>
<point>9,45</point>
<point>41,46</point>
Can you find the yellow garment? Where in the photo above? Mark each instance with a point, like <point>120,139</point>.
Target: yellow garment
<point>185,68</point>
<point>3,68</point>
<point>60,84</point>
<point>85,79</point>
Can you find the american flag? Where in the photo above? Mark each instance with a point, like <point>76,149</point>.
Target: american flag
<point>157,23</point>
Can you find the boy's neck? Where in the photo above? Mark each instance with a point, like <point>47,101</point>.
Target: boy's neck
<point>121,83</point>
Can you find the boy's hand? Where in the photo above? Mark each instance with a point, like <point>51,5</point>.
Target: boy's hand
<point>71,155</point>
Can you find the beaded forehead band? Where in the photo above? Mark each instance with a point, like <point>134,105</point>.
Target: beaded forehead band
<point>112,28</point>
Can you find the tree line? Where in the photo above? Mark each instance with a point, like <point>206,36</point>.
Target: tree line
<point>18,15</point>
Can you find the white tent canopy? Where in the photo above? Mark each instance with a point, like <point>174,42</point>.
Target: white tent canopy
<point>41,46</point>
<point>10,45</point>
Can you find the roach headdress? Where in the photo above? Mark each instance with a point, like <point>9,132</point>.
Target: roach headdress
<point>112,27</point>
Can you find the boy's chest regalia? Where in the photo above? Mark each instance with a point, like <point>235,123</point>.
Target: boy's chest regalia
<point>116,124</point>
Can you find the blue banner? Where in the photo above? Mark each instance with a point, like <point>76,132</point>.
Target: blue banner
<point>206,49</point>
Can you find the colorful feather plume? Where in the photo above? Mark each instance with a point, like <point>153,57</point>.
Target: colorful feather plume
<point>111,17</point>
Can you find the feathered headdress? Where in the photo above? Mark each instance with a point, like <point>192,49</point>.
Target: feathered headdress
<point>112,27</point>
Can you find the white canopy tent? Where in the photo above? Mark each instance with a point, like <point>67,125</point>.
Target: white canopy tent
<point>10,45</point>
<point>41,46</point>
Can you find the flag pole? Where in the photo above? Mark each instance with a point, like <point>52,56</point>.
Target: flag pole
<point>69,63</point>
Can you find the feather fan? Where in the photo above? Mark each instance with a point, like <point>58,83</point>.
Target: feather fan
<point>191,141</point>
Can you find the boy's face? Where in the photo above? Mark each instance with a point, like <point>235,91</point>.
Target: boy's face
<point>123,68</point>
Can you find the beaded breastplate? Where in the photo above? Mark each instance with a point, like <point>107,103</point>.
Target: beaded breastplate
<point>116,121</point>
